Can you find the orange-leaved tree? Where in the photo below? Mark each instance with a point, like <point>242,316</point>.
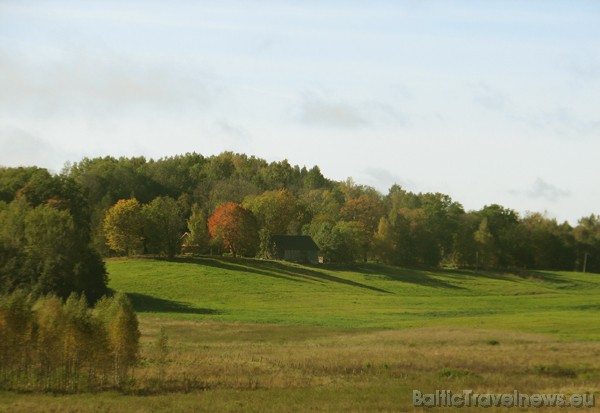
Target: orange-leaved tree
<point>235,227</point>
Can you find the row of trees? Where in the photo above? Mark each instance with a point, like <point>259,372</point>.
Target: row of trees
<point>154,228</point>
<point>56,345</point>
<point>401,228</point>
<point>349,222</point>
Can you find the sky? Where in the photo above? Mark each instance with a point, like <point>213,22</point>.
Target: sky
<point>486,101</point>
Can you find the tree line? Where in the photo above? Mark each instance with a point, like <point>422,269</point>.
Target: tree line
<point>235,203</point>
<point>50,344</point>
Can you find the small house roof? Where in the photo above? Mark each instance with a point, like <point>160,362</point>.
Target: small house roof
<point>295,242</point>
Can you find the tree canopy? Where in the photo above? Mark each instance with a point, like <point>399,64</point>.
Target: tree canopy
<point>400,227</point>
<point>45,237</point>
<point>235,228</point>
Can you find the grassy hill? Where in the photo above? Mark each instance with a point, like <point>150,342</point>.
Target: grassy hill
<point>563,304</point>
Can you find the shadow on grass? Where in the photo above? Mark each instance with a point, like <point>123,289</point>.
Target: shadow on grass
<point>309,273</point>
<point>547,277</point>
<point>461,273</point>
<point>234,264</point>
<point>148,304</point>
<point>505,275</point>
<point>414,276</point>
<point>276,270</point>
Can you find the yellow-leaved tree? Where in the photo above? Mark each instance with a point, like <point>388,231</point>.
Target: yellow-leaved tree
<point>123,334</point>
<point>123,226</point>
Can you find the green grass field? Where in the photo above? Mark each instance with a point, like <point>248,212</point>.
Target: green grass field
<point>562,304</point>
<point>264,336</point>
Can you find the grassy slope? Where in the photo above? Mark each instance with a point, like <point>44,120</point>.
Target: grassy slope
<point>559,303</point>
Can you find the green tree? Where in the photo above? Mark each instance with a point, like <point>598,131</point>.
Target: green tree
<point>198,237</point>
<point>314,179</point>
<point>340,243</point>
<point>322,205</point>
<point>274,210</point>
<point>13,179</point>
<point>12,246</point>
<point>50,237</point>
<point>487,255</point>
<point>366,211</point>
<point>233,189</point>
<point>587,235</point>
<point>16,331</point>
<point>502,225</point>
<point>42,250</point>
<point>277,213</point>
<point>164,225</point>
<point>12,218</point>
<point>385,241</point>
<point>442,219</point>
<point>551,246</point>
<point>464,245</point>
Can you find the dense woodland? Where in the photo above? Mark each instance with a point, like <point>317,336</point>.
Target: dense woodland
<point>55,229</point>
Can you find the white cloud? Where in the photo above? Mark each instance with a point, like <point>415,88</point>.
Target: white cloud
<point>541,189</point>
<point>316,111</point>
<point>231,129</point>
<point>323,110</point>
<point>97,83</point>
<point>550,118</point>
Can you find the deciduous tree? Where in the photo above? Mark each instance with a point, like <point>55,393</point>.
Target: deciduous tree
<point>277,212</point>
<point>235,228</point>
<point>164,224</point>
<point>123,225</point>
<point>198,237</point>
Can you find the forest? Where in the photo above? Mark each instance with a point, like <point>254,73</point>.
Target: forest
<point>56,228</point>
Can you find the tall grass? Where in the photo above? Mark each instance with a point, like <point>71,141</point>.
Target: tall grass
<point>227,367</point>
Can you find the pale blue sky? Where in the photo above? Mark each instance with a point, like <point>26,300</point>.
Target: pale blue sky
<point>487,101</point>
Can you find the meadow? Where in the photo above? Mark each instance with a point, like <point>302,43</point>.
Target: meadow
<point>266,336</point>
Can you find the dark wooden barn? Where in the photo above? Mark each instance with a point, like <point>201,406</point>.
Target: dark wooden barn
<point>295,248</point>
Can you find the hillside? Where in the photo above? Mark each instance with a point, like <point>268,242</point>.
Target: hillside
<point>564,304</point>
